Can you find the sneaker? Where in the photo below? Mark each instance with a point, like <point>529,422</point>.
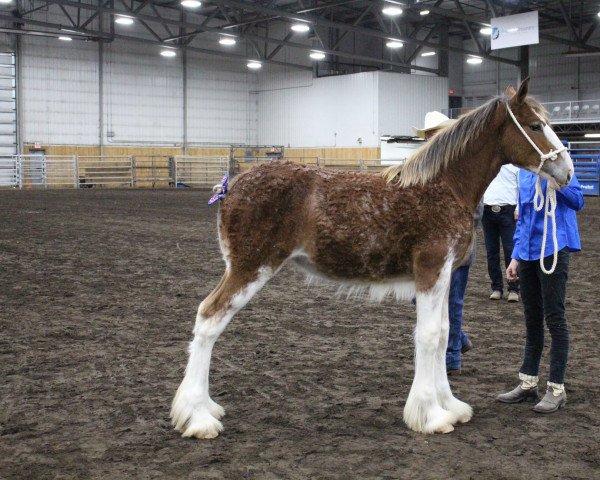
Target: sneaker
<point>519,395</point>
<point>496,295</point>
<point>513,297</point>
<point>466,347</point>
<point>551,403</point>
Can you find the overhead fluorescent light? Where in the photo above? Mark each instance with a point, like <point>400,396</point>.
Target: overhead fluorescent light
<point>317,55</point>
<point>227,41</point>
<point>428,54</point>
<point>394,44</point>
<point>592,135</point>
<point>190,3</point>
<point>474,60</point>
<point>486,31</point>
<point>391,10</point>
<point>123,20</point>
<point>300,27</point>
<point>424,12</point>
<point>64,38</point>
<point>5,2</point>
<point>254,65</point>
<point>167,52</point>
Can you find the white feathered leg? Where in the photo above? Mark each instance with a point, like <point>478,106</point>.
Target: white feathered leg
<point>193,412</point>
<point>461,410</point>
<point>423,412</point>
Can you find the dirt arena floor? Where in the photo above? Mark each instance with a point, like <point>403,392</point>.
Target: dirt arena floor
<point>98,294</point>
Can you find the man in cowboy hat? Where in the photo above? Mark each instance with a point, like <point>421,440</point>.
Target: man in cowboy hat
<point>458,342</point>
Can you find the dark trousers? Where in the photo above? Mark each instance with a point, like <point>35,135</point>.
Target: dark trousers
<point>543,297</point>
<point>498,227</point>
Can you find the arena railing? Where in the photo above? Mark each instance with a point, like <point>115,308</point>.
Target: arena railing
<point>10,174</point>
<point>199,171</point>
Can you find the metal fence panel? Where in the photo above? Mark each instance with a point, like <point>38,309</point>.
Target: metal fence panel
<point>155,171</point>
<point>361,165</point>
<point>106,171</point>
<point>47,171</point>
<point>196,171</point>
<point>9,171</point>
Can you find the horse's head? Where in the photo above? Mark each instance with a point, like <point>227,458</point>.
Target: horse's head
<point>529,142</point>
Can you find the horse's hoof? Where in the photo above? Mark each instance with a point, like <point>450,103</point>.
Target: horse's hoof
<point>203,426</point>
<point>445,429</point>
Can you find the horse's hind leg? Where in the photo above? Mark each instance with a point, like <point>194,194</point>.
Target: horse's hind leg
<point>193,413</point>
<point>461,410</point>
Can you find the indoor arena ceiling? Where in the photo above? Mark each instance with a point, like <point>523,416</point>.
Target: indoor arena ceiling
<point>337,28</point>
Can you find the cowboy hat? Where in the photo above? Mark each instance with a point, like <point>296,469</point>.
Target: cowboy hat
<point>433,121</point>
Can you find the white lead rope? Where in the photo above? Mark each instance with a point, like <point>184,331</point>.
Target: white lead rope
<point>538,199</point>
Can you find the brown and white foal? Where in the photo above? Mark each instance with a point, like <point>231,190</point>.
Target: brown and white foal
<point>399,233</point>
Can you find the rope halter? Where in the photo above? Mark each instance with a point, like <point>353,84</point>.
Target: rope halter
<point>538,199</point>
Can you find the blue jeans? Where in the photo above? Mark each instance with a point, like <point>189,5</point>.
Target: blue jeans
<point>543,298</point>
<point>456,337</point>
<point>498,227</point>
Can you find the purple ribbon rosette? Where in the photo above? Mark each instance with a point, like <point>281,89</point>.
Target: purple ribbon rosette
<point>220,189</point>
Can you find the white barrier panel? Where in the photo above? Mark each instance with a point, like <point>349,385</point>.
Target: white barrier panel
<point>196,171</point>
<point>106,171</point>
<point>9,172</point>
<point>47,171</point>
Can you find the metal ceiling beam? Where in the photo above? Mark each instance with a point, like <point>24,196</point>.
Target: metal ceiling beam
<point>360,30</point>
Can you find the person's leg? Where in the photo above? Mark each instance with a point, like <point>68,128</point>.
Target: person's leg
<point>531,296</point>
<point>507,232</point>
<point>491,234</point>
<point>456,337</point>
<point>553,292</point>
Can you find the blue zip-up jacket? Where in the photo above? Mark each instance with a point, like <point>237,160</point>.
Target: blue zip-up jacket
<point>530,227</point>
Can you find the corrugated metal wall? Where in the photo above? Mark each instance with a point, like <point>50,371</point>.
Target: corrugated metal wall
<point>405,99</point>
<point>143,96</point>
<point>554,77</point>
<point>295,109</point>
<point>59,88</point>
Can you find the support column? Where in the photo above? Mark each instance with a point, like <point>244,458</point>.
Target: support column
<point>523,62</point>
<point>443,54</point>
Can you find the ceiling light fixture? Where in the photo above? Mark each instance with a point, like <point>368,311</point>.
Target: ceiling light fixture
<point>168,53</point>
<point>254,65</point>
<point>391,10</point>
<point>5,2</point>
<point>64,38</point>
<point>428,54</point>
<point>123,20</point>
<point>190,3</point>
<point>592,135</point>
<point>394,44</point>
<point>300,27</point>
<point>227,41</point>
<point>486,31</point>
<point>424,12</point>
<point>317,55</point>
<point>474,60</point>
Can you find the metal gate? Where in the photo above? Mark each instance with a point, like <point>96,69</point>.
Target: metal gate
<point>193,171</point>
<point>47,171</point>
<point>8,104</point>
<point>10,173</point>
<point>106,171</point>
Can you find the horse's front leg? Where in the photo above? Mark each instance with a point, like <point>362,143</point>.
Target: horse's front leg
<point>423,411</point>
<point>461,410</point>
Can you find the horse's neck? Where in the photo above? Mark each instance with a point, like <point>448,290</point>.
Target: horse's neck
<point>470,175</point>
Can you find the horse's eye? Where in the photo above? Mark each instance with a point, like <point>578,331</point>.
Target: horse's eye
<point>536,127</point>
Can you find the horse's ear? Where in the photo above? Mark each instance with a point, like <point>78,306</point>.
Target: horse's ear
<point>523,89</point>
<point>510,91</point>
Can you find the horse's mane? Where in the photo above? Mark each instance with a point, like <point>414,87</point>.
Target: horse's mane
<point>449,144</point>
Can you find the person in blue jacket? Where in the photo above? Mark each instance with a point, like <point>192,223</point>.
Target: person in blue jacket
<point>542,295</point>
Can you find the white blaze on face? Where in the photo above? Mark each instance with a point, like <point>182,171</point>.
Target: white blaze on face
<point>556,143</point>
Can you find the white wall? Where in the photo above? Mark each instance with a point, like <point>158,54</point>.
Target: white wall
<point>143,95</point>
<point>59,87</point>
<point>405,99</point>
<point>296,110</point>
